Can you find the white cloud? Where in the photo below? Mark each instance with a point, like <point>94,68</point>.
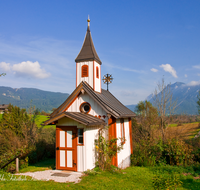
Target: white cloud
<point>168,68</point>
<point>5,67</point>
<point>193,83</point>
<point>196,66</point>
<point>30,69</point>
<point>186,76</point>
<point>154,70</point>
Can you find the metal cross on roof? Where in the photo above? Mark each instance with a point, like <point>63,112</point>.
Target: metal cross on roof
<point>107,79</point>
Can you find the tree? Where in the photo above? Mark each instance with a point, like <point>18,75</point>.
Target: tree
<point>198,103</point>
<point>147,118</point>
<point>162,100</point>
<point>2,74</point>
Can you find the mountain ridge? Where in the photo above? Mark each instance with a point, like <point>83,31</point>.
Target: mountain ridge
<point>186,96</point>
<point>27,97</point>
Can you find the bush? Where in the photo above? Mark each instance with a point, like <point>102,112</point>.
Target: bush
<point>166,181</point>
<point>151,153</point>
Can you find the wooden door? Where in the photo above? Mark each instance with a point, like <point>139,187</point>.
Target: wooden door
<point>66,148</point>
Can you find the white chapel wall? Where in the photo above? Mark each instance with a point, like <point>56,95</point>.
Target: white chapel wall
<point>96,110</point>
<point>88,79</point>
<point>90,150</point>
<point>124,155</point>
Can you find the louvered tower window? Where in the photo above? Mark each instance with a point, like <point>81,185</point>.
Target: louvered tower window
<point>97,72</point>
<point>85,71</point>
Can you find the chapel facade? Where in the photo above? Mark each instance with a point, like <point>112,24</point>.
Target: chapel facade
<point>88,109</point>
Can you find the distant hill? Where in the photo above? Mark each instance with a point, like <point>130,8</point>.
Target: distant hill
<point>24,97</point>
<point>185,95</point>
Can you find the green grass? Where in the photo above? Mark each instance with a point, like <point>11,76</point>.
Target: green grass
<point>41,166</point>
<point>173,125</point>
<point>130,178</point>
<point>1,116</point>
<point>40,119</point>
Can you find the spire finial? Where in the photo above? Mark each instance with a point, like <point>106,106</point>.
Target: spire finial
<point>88,20</point>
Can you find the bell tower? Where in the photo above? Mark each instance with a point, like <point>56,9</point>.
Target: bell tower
<point>88,64</point>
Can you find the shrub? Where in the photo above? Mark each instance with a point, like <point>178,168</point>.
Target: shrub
<point>166,181</point>
<point>106,150</point>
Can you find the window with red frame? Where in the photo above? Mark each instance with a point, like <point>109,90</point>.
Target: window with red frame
<point>97,72</point>
<point>122,131</point>
<point>84,71</point>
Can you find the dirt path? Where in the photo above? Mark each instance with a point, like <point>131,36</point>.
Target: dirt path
<point>55,175</point>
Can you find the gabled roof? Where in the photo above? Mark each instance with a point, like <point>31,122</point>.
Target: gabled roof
<point>104,99</point>
<point>82,118</point>
<point>88,52</point>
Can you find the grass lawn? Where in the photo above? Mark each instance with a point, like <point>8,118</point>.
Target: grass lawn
<point>41,166</point>
<point>130,178</point>
<point>40,119</point>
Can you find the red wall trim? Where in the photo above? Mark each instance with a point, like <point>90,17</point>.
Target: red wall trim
<point>112,133</point>
<point>130,131</point>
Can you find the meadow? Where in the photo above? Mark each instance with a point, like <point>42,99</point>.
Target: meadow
<point>130,178</point>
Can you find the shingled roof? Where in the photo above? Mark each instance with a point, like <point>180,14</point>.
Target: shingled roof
<point>82,118</point>
<point>105,99</point>
<point>88,52</point>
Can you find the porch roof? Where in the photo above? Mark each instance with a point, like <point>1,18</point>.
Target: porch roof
<point>85,119</point>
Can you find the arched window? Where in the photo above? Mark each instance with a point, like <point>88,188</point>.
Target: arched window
<point>122,131</point>
<point>84,71</point>
<point>97,72</point>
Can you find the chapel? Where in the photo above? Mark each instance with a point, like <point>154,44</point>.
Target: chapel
<point>88,109</point>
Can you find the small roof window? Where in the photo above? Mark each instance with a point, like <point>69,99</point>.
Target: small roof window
<point>85,107</point>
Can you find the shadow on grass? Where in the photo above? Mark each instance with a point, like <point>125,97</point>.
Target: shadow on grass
<point>48,164</point>
<point>191,184</point>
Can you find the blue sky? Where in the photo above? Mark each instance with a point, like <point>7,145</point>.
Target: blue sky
<point>138,42</point>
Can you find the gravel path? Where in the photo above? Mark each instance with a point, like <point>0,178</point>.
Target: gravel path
<point>55,175</point>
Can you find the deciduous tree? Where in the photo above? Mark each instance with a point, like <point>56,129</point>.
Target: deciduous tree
<point>165,105</point>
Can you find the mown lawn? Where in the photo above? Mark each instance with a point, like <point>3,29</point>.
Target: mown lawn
<point>130,178</point>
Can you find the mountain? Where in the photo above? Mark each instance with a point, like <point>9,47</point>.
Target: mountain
<point>185,95</point>
<point>26,97</point>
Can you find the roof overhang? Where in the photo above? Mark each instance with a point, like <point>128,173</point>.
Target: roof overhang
<point>85,119</point>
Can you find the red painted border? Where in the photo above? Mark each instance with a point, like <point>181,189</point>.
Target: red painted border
<point>113,134</point>
<point>130,131</point>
